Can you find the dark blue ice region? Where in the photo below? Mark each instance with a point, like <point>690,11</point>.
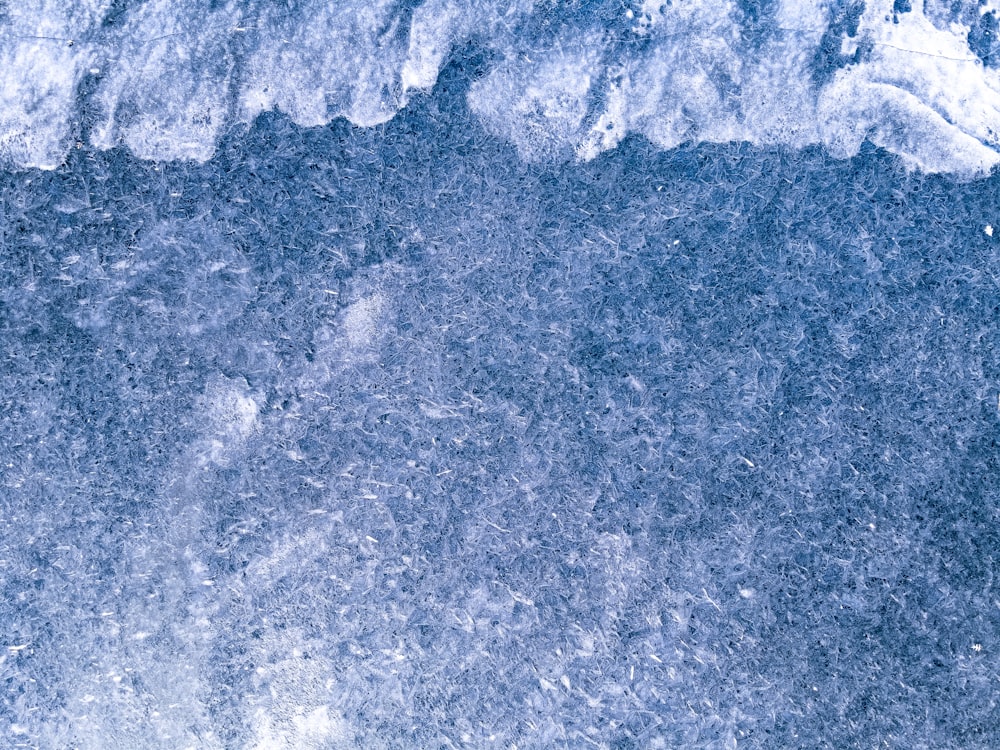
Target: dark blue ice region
<point>388,431</point>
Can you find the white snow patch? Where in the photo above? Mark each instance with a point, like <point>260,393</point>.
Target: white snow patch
<point>232,413</point>
<point>167,83</point>
<point>316,729</point>
<point>361,321</point>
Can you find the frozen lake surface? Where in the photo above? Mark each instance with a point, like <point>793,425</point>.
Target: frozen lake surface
<point>479,375</point>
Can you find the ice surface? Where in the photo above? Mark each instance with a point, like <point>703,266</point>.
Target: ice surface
<point>467,430</point>
<point>570,80</point>
<point>471,454</point>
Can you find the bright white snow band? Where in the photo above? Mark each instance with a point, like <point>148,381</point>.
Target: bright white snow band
<point>166,77</point>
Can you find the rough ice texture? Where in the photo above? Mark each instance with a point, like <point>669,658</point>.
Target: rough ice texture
<point>567,80</point>
<point>385,438</point>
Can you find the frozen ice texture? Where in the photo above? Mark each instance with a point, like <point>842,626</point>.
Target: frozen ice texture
<point>168,78</point>
<point>459,433</point>
<point>314,446</point>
